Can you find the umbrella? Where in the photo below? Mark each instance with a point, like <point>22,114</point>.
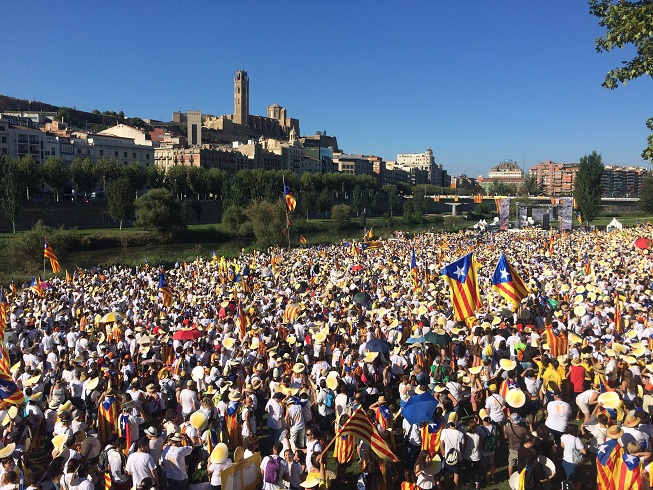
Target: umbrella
<point>414,340</point>
<point>644,243</point>
<point>114,316</point>
<point>378,345</point>
<point>187,334</point>
<point>147,362</point>
<point>363,299</point>
<point>438,338</point>
<point>420,408</point>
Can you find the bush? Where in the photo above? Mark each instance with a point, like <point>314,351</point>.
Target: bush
<point>232,218</point>
<point>268,222</point>
<point>341,215</point>
<point>161,211</point>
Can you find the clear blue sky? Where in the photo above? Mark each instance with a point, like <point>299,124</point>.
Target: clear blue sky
<point>478,81</point>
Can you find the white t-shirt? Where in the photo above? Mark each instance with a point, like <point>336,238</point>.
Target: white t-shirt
<point>188,399</point>
<point>216,469</point>
<point>452,438</point>
<point>140,465</point>
<point>494,406</point>
<point>558,415</point>
<point>283,470</point>
<point>570,443</point>
<point>472,447</point>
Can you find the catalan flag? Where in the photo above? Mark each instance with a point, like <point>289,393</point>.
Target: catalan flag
<point>12,286</point>
<point>608,456</point>
<point>36,287</point>
<point>628,473</point>
<point>414,275</point>
<point>617,313</point>
<point>4,307</point>
<point>587,268</point>
<point>579,218</point>
<point>10,394</point>
<point>603,383</point>
<point>165,290</point>
<point>372,245</point>
<point>508,283</point>
<point>551,241</point>
<point>291,313</point>
<point>369,235</point>
<point>302,240</point>
<point>48,253</point>
<point>360,426</point>
<point>290,199</point>
<point>462,280</point>
<point>5,361</point>
<point>108,413</point>
<point>478,199</point>
<point>68,278</point>
<point>558,341</point>
<point>243,321</point>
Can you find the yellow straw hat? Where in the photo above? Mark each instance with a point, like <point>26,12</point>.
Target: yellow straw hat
<point>59,441</point>
<point>516,398</point>
<point>219,453</point>
<point>610,400</point>
<point>199,420</point>
<point>332,382</point>
<point>8,450</point>
<point>370,356</point>
<point>507,364</point>
<point>475,369</point>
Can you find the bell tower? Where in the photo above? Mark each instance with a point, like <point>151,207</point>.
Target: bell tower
<point>241,98</point>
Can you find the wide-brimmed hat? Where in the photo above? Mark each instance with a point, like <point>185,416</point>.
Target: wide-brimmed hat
<point>176,437</point>
<point>66,407</point>
<point>609,399</point>
<point>235,395</point>
<point>516,398</point>
<point>632,421</point>
<point>312,480</point>
<point>370,356</point>
<point>198,420</point>
<point>475,369</point>
<point>12,413</point>
<point>299,368</point>
<point>91,384</point>
<point>59,441</point>
<point>507,364</point>
<point>219,453</point>
<point>152,431</point>
<point>614,432</point>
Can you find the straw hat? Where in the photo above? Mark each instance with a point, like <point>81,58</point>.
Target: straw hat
<point>638,351</point>
<point>66,407</point>
<point>198,420</point>
<point>291,339</point>
<point>435,466</point>
<point>11,415</point>
<point>228,343</point>
<point>507,364</point>
<point>476,369</point>
<point>575,338</point>
<point>609,399</point>
<point>312,480</point>
<point>482,414</point>
<point>299,368</point>
<point>516,398</point>
<point>332,382</point>
<point>219,453</point>
<point>239,454</point>
<point>320,337</point>
<point>59,441</point>
<point>8,450</point>
<point>197,373</point>
<point>92,384</point>
<point>614,432</point>
<point>580,311</point>
<point>370,356</point>
<point>235,396</point>
<point>632,421</point>
<point>619,348</point>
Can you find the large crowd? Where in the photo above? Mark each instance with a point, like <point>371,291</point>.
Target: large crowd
<point>275,351</point>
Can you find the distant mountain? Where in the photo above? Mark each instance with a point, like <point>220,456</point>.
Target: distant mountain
<point>75,117</point>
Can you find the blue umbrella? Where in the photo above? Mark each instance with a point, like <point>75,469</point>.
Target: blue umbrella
<point>420,408</point>
<point>414,340</point>
<point>378,345</point>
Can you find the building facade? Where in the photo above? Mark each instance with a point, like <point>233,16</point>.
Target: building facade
<point>556,179</point>
<point>425,162</point>
<point>622,181</point>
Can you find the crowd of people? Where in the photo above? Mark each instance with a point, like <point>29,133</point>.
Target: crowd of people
<point>274,352</point>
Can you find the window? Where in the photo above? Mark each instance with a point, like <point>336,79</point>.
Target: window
<point>147,156</point>
<point>4,139</point>
<point>101,153</point>
<point>134,155</point>
<point>115,154</point>
<point>124,154</point>
<point>3,128</point>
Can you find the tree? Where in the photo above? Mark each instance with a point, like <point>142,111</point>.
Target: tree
<point>217,178</point>
<point>120,199</point>
<point>10,189</point>
<point>268,221</point>
<point>587,187</point>
<point>109,170</point>
<point>177,180</point>
<point>29,173</point>
<point>83,173</point>
<point>55,173</point>
<point>341,215</point>
<point>646,194</point>
<point>627,23</point>
<point>393,192</point>
<point>530,186</point>
<point>232,218</point>
<point>155,177</point>
<point>137,175</point>
<point>161,211</point>
<point>198,181</point>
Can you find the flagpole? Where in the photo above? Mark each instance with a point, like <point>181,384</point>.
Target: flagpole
<point>288,227</point>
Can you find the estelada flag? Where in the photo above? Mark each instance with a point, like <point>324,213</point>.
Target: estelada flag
<point>165,290</point>
<point>628,473</point>
<point>302,240</point>
<point>108,412</point>
<point>4,306</point>
<point>360,426</point>
<point>36,286</point>
<point>607,457</point>
<point>290,199</point>
<point>508,283</point>
<point>414,276</point>
<point>10,394</point>
<point>291,313</point>
<point>558,342</point>
<point>463,282</point>
<point>431,437</point>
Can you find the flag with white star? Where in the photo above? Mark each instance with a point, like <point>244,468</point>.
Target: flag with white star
<point>607,459</point>
<point>628,473</point>
<point>508,283</point>
<point>10,394</point>
<point>463,283</point>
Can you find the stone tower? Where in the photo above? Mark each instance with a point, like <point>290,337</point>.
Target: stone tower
<point>241,98</point>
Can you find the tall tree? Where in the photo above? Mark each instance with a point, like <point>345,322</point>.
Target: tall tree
<point>83,173</point>
<point>55,173</point>
<point>393,192</point>
<point>627,23</point>
<point>646,194</point>
<point>530,186</point>
<point>137,175</point>
<point>30,175</point>
<point>587,187</point>
<point>155,177</point>
<point>10,189</point>
<point>120,199</point>
<point>160,210</point>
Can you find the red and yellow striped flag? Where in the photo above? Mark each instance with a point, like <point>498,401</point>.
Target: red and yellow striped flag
<point>360,426</point>
<point>48,253</point>
<point>108,412</point>
<point>558,342</point>
<point>291,313</point>
<point>431,437</point>
<point>617,313</point>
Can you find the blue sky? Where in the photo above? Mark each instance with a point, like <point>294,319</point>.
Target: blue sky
<point>477,81</point>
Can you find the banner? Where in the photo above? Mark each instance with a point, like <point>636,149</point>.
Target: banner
<point>504,216</point>
<point>522,212</point>
<point>566,212</point>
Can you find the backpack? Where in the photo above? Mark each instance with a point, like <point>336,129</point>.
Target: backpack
<point>529,479</point>
<point>272,470</point>
<point>490,441</point>
<point>452,458</point>
<point>330,400</point>
<point>103,461</point>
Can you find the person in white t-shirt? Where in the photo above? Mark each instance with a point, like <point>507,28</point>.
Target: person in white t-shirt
<point>558,414</point>
<point>495,405</point>
<point>141,464</point>
<point>452,439</point>
<point>277,447</point>
<point>572,457</point>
